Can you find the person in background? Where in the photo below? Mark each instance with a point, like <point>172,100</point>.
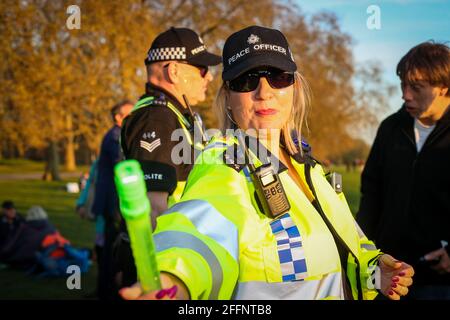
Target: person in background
<point>20,249</point>
<point>84,210</point>
<point>105,199</point>
<point>405,185</point>
<point>10,221</point>
<point>86,199</point>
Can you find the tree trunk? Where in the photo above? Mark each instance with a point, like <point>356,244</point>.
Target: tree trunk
<point>70,156</point>
<point>52,166</point>
<point>70,146</point>
<point>20,147</point>
<point>54,161</point>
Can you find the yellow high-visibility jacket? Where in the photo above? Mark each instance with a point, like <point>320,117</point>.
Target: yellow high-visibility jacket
<point>219,243</point>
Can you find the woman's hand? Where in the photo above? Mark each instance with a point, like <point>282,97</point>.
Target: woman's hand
<point>396,277</point>
<point>172,289</point>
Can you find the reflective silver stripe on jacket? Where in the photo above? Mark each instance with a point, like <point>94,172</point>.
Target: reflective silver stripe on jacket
<point>361,235</point>
<point>170,239</point>
<point>369,247</point>
<point>328,287</point>
<point>216,144</point>
<point>211,223</point>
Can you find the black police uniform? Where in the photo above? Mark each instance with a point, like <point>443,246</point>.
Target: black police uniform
<point>146,136</point>
<point>147,131</point>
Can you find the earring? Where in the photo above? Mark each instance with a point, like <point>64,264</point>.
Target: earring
<point>229,115</point>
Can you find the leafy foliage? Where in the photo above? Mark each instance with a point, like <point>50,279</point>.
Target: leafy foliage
<point>57,85</point>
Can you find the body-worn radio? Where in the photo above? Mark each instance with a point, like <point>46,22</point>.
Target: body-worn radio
<point>268,186</point>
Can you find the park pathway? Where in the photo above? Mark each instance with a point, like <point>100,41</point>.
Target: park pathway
<point>35,175</point>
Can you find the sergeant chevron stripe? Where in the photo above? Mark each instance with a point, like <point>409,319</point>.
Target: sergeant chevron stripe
<point>150,146</point>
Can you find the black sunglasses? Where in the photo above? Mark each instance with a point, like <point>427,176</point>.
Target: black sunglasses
<point>249,81</point>
<point>203,69</point>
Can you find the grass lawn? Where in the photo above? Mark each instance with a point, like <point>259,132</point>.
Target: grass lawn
<point>350,183</point>
<point>20,166</point>
<point>28,166</point>
<point>60,207</point>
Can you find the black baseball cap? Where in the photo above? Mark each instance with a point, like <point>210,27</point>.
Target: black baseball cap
<point>181,44</point>
<point>253,47</point>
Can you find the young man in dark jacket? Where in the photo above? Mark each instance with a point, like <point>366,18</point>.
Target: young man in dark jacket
<point>405,205</point>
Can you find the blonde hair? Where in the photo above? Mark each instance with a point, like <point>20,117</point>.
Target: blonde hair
<point>297,118</point>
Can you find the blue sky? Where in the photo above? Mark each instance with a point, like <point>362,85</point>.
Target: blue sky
<point>404,23</point>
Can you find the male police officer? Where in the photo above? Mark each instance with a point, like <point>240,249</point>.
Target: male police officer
<point>177,68</point>
<point>177,65</point>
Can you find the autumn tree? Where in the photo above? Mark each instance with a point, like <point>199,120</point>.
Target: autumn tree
<point>346,97</point>
<point>57,84</point>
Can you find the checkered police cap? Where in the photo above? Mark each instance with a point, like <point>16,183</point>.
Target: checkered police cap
<point>181,44</point>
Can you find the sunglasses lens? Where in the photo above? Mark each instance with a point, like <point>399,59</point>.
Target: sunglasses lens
<point>249,81</point>
<point>245,83</point>
<point>279,80</point>
<point>203,71</point>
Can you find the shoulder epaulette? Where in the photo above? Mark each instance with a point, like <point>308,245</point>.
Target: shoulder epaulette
<point>306,155</point>
<point>234,158</point>
<point>153,100</point>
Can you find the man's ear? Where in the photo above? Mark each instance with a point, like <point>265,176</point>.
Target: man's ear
<point>117,118</point>
<point>443,92</point>
<point>173,73</point>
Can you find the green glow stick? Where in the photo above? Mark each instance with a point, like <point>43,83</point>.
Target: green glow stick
<point>135,208</point>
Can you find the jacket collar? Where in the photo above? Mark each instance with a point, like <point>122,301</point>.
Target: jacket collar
<point>163,95</point>
<point>257,149</point>
<point>407,125</point>
<point>303,152</point>
<point>300,157</point>
<point>441,126</point>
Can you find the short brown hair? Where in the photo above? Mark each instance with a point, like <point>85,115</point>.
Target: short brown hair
<point>430,61</point>
<point>117,108</point>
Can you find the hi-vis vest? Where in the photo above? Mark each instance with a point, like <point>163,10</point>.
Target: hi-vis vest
<point>221,246</point>
<point>150,101</point>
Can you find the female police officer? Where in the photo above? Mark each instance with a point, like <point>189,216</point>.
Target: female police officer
<point>227,238</point>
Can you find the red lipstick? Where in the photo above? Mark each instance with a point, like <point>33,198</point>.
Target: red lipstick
<point>266,112</point>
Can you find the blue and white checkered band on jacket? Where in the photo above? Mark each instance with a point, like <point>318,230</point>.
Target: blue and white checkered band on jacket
<point>290,250</point>
<point>172,53</point>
